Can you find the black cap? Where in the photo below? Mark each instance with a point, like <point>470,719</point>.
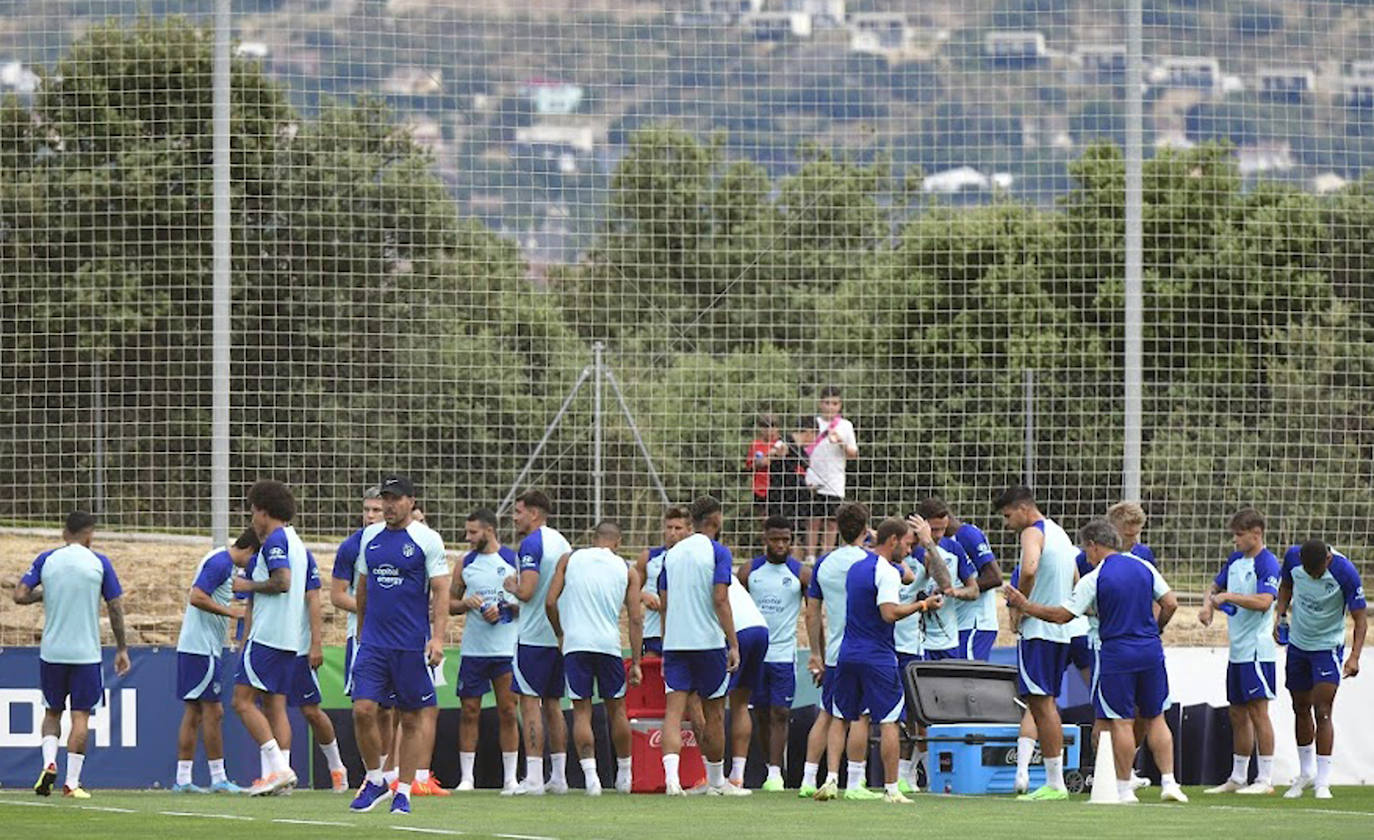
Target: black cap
<point>397,485</point>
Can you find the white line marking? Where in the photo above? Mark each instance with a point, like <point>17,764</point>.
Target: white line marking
<point>206,816</point>
<point>27,804</point>
<point>107,809</point>
<point>314,822</point>
<point>525,836</point>
<point>1328,811</point>
<point>419,830</point>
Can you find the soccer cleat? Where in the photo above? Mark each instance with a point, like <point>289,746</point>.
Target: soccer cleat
<point>274,783</point>
<point>338,781</point>
<point>467,785</point>
<point>529,788</point>
<point>826,792</point>
<point>904,786</point>
<point>773,786</point>
<point>1322,792</point>
<point>1139,782</point>
<point>225,786</point>
<point>368,796</point>
<point>1256,789</point>
<point>1173,793</point>
<point>698,789</point>
<point>1129,798</point>
<point>673,789</point>
<point>1300,786</point>
<point>806,792</point>
<point>46,779</point>
<point>897,798</point>
<point>729,789</point>
<point>593,786</point>
<point>557,788</point>
<point>1045,793</point>
<point>861,794</point>
<point>77,792</point>
<point>417,788</point>
<point>400,803</point>
<point>1228,786</point>
<point>436,789</point>
<point>188,788</point>
<point>393,784</point>
<point>1021,785</point>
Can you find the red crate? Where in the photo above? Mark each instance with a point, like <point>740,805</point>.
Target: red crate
<point>648,699</point>
<point>646,757</point>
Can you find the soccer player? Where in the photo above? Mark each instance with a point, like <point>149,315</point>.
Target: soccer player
<point>589,588</point>
<point>751,628</point>
<point>1131,679</point>
<point>305,694</point>
<point>948,571</point>
<point>210,606</point>
<point>700,648</point>
<point>538,663</point>
<point>70,582</point>
<point>1046,576</point>
<point>402,600</point>
<point>866,680</point>
<point>1246,589</point>
<point>1320,585</point>
<point>276,580</point>
<point>1129,520</point>
<point>676,525</point>
<point>489,635</point>
<point>777,583</point>
<point>828,456</point>
<point>341,588</point>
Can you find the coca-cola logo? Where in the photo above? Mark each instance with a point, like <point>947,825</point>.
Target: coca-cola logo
<point>689,738</point>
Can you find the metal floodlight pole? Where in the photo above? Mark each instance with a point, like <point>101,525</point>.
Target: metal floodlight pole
<point>639,439</point>
<point>598,475</point>
<point>1133,362</point>
<point>544,441</point>
<point>220,261</point>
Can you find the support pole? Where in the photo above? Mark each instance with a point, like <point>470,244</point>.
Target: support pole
<point>1133,363</point>
<point>639,439</point>
<point>598,469</point>
<point>220,256</point>
<point>1028,455</point>
<point>544,441</point>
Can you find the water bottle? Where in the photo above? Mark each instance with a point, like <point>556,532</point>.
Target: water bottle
<point>1283,630</point>
<point>1228,608</point>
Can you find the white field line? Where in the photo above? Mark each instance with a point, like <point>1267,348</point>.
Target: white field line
<point>525,836</point>
<point>205,816</point>
<point>418,830</point>
<point>314,822</point>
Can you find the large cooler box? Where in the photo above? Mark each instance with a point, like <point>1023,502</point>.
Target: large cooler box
<point>646,757</point>
<point>972,715</point>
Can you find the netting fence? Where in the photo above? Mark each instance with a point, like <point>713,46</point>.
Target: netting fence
<point>439,209</point>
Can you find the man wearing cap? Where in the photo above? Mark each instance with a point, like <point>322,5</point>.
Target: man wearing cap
<point>402,600</point>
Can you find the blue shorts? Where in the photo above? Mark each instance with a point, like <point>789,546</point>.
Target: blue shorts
<point>977,644</point>
<point>753,649</point>
<point>1134,694</point>
<point>538,671</point>
<point>702,671</point>
<point>937,655</point>
<point>827,688</point>
<point>1249,681</point>
<point>1040,666</point>
<point>305,686</point>
<point>1306,668</point>
<point>266,668</point>
<point>654,645</point>
<point>387,675</point>
<point>84,684</point>
<point>861,688</point>
<point>1080,653</point>
<point>776,686</point>
<point>198,678</point>
<point>586,670</point>
<point>350,651</point>
<point>478,674</point>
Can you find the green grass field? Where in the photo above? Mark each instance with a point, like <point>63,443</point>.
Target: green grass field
<point>760,817</point>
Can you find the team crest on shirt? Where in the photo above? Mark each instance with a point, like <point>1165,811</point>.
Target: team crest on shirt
<point>408,550</point>
<point>789,581</point>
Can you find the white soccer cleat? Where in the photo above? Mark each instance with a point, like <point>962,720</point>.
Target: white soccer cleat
<point>466,785</point>
<point>623,783</point>
<point>1228,786</point>
<point>593,787</point>
<point>674,789</point>
<point>1322,792</point>
<point>529,788</point>
<point>1021,785</point>
<point>274,783</point>
<point>729,789</point>
<point>1298,788</point>
<point>558,788</point>
<point>1173,793</point>
<point>1139,782</point>
<point>827,792</point>
<point>1257,789</point>
<point>1128,798</point>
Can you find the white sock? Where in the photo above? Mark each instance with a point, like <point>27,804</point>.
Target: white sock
<point>264,764</point>
<point>558,768</point>
<point>509,761</point>
<point>382,763</point>
<point>1054,772</point>
<point>1323,771</point>
<point>737,769</point>
<point>1024,748</point>
<point>467,759</point>
<point>854,775</point>
<point>183,772</point>
<point>589,772</point>
<point>376,777</point>
<point>1307,760</point>
<point>670,761</point>
<point>809,770</point>
<point>393,775</point>
<point>774,772</point>
<point>832,777</point>
<point>331,754</point>
<point>403,788</point>
<point>715,773</point>
<point>1123,789</point>
<point>623,769</point>
<point>1266,770</point>
<point>217,773</point>
<point>275,759</point>
<point>891,788</point>
<point>49,750</point>
<point>534,771</point>
<point>74,762</point>
<point>1240,768</point>
<point>904,768</point>
<point>421,775</point>
<point>918,757</point>
<point>1166,780</point>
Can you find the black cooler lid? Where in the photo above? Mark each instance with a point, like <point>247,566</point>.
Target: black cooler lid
<point>961,691</point>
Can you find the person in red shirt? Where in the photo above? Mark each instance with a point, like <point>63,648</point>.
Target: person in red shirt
<point>758,459</point>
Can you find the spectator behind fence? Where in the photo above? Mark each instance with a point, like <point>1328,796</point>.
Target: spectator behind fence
<point>788,495</point>
<point>834,445</point>
<point>758,461</point>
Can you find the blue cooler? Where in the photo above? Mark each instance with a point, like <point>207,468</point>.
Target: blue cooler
<point>972,716</point>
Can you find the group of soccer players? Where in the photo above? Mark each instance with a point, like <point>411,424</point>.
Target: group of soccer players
<point>544,621</point>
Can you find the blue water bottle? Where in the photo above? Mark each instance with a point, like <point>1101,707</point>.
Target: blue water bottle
<point>1228,608</point>
<point>1283,630</point>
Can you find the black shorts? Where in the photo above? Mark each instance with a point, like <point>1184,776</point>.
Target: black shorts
<point>825,507</point>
